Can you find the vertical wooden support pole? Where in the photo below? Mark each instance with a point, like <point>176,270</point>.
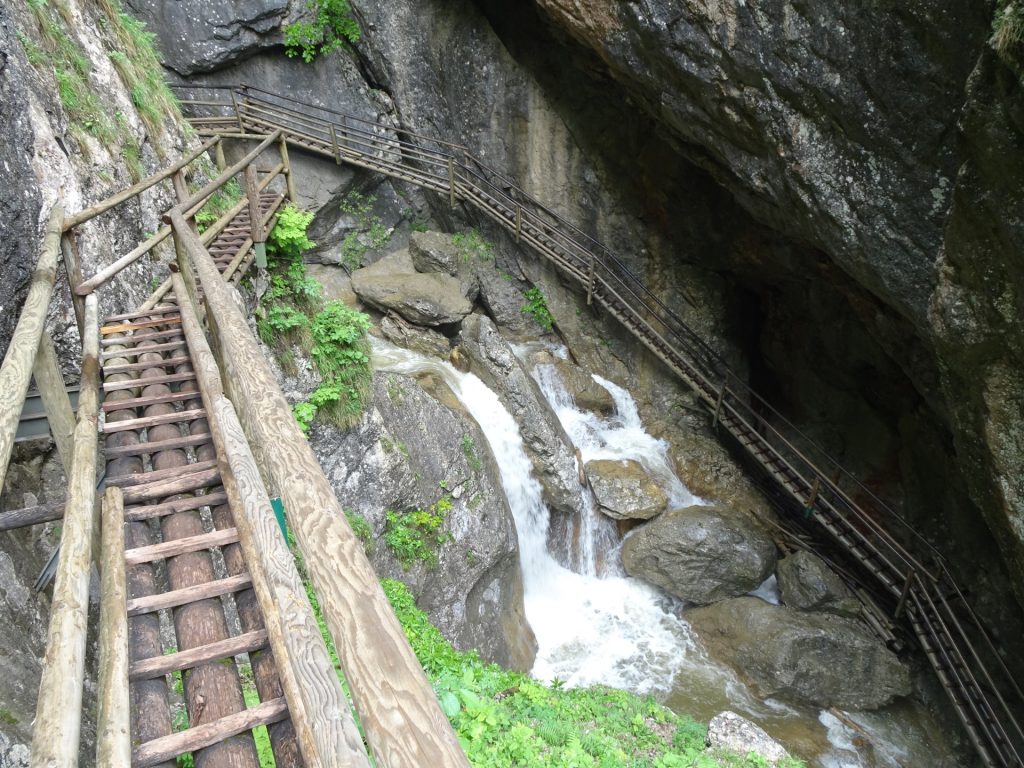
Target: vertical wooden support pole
<point>74,272</point>
<point>590,281</point>
<point>286,161</point>
<point>180,187</point>
<point>55,399</point>
<point>813,497</point>
<point>334,145</point>
<point>113,726</point>
<point>238,112</point>
<point>519,225</point>
<point>55,736</point>
<point>718,406</point>
<point>218,155</point>
<point>259,239</point>
<point>451,181</point>
<point>904,594</point>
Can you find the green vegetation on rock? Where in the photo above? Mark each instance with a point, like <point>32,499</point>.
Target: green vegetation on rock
<point>472,246</point>
<point>369,233</point>
<point>219,203</point>
<point>413,537</point>
<point>536,306</point>
<point>1008,26</point>
<point>327,26</point>
<point>332,334</point>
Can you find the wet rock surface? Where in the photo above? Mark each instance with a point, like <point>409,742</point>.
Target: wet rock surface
<point>434,252</point>
<point>624,490</point>
<point>700,554</point>
<point>817,659</point>
<point>406,455</point>
<point>806,583</point>
<point>586,393</point>
<point>729,731</point>
<point>432,299</point>
<point>546,442</point>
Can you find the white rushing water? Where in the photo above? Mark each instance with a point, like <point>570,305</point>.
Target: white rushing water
<point>612,629</point>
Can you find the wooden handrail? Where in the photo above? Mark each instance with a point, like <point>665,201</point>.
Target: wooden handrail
<point>193,204</point>
<point>317,705</point>
<point>397,708</point>
<point>55,736</point>
<point>132,191</point>
<point>16,370</point>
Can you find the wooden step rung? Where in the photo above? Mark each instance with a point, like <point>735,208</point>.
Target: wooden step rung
<point>157,446</point>
<point>170,378</point>
<point>126,327</point>
<point>193,477</point>
<point>141,402</point>
<point>167,362</point>
<point>158,666</point>
<point>135,339</point>
<point>135,351</point>
<point>140,313</point>
<point>187,595</point>
<point>168,747</point>
<point>148,554</point>
<point>146,512</point>
<point>153,421</point>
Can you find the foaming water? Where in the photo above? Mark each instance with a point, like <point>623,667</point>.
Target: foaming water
<point>621,632</point>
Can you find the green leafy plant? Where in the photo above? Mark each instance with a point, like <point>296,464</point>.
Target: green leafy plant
<point>361,529</point>
<point>471,245</point>
<point>1008,26</point>
<point>369,233</point>
<point>536,306</point>
<point>328,26</point>
<point>414,536</point>
<point>219,203</point>
<point>469,451</point>
<point>288,239</point>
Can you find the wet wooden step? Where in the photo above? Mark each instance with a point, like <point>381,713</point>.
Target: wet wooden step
<point>158,666</point>
<point>146,512</point>
<point>152,552</point>
<point>177,597</point>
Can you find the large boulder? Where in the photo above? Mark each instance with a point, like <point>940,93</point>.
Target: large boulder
<point>624,489</point>
<point>586,393</point>
<point>548,446</point>
<point>736,734</point>
<point>410,451</point>
<point>701,554</point>
<point>431,299</point>
<point>434,252</point>
<point>806,583</point>
<point>503,300</point>
<point>807,658</point>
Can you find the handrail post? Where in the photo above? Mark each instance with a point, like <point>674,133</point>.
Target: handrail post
<point>282,149</point>
<point>718,405</point>
<point>812,497</point>
<point>113,720</point>
<point>56,403</point>
<point>519,223</point>
<point>334,144</point>
<point>238,112</point>
<point>451,181</point>
<point>259,239</point>
<point>590,280</point>
<point>904,594</point>
<point>73,270</point>
<point>218,154</point>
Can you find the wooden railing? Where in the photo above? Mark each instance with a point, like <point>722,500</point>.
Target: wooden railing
<point>816,483</point>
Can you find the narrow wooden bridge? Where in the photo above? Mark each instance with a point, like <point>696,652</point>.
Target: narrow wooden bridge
<point>889,552</point>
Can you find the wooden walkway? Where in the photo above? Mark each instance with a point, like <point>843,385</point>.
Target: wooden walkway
<point>918,584</point>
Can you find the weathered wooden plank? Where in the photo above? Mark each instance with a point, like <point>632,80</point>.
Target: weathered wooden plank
<point>187,595</point>
<point>128,367</point>
<point>190,478</point>
<point>180,546</point>
<point>54,394</point>
<point>96,281</point>
<point>132,191</point>
<point>145,478</point>
<point>113,720</point>
<point>179,417</point>
<point>133,403</point>
<point>128,327</point>
<point>137,514</point>
<point>55,735</point>
<point>171,378</point>
<point>221,649</point>
<point>193,203</point>
<point>156,446</point>
<point>200,736</point>
<point>397,706</point>
<point>16,370</point>
<point>135,352</point>
<point>42,513</point>
<point>166,309</point>
<point>129,341</point>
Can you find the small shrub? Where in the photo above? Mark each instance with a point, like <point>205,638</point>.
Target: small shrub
<point>469,451</point>
<point>370,232</point>
<point>536,306</point>
<point>1008,27</point>
<point>470,245</point>
<point>414,536</point>
<point>287,240</point>
<point>361,529</point>
<point>328,27</point>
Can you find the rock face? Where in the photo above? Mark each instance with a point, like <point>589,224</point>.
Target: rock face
<point>406,448</point>
<point>586,393</point>
<point>424,299</point>
<point>546,442</point>
<point>434,252</point>
<point>806,583</point>
<point>817,659</point>
<point>729,731</point>
<point>624,490</point>
<point>700,554</point>
<point>214,34</point>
